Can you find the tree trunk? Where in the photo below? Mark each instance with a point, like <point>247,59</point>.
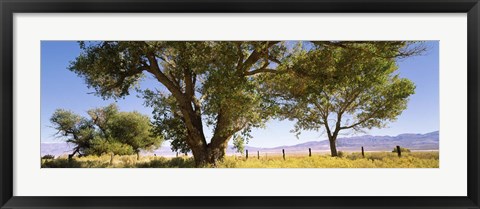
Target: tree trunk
<point>216,152</point>
<point>209,155</point>
<point>332,137</point>
<point>333,147</point>
<point>200,156</point>
<point>70,156</point>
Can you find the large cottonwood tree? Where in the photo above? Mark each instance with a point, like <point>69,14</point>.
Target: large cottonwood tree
<point>202,82</point>
<point>336,86</point>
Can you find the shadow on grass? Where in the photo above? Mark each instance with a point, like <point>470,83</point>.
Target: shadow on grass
<point>61,163</point>
<point>161,162</point>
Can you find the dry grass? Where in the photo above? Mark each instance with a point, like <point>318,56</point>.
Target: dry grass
<point>348,160</point>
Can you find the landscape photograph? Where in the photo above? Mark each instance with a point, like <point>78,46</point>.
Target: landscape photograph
<point>240,104</point>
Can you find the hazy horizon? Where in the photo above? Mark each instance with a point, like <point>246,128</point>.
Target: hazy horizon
<point>321,140</point>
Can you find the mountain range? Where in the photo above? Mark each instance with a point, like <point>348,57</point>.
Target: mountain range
<point>428,141</point>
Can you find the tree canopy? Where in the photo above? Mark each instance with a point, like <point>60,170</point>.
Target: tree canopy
<point>107,131</point>
<point>339,88</point>
<point>76,129</point>
<point>204,81</point>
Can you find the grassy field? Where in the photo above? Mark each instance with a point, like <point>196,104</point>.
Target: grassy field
<point>348,160</point>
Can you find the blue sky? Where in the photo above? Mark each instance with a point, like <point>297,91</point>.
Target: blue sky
<point>61,88</point>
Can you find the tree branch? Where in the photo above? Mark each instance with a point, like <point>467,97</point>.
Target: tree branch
<point>400,54</point>
<point>189,87</point>
<point>261,70</point>
<point>162,78</point>
<point>349,102</point>
<point>360,122</point>
<point>256,55</point>
<point>241,56</point>
<point>123,76</point>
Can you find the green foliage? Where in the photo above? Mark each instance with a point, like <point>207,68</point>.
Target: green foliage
<point>66,122</point>
<point>342,85</point>
<point>167,121</point>
<point>46,157</point>
<point>239,143</point>
<point>76,129</point>
<point>133,129</point>
<point>402,149</point>
<point>204,80</point>
<point>102,116</point>
<point>230,86</point>
<point>101,146</point>
<point>112,67</point>
<point>108,131</point>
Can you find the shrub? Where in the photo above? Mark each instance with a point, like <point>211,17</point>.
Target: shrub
<point>46,157</point>
<point>61,163</point>
<point>402,149</point>
<point>354,156</point>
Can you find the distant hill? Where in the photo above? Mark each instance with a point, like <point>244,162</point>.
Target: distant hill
<point>428,141</point>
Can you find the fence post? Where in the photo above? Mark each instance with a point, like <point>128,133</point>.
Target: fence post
<point>399,152</point>
<point>111,158</point>
<point>309,152</point>
<point>258,154</point>
<point>363,153</point>
<point>283,152</point>
<point>246,154</point>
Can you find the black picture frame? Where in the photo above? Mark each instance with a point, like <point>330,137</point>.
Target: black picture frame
<point>9,7</point>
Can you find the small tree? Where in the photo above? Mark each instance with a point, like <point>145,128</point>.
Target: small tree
<point>101,145</point>
<point>101,117</point>
<point>339,88</point>
<point>108,131</point>
<point>75,128</point>
<point>133,129</point>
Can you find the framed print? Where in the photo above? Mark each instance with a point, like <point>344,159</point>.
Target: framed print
<point>266,104</point>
